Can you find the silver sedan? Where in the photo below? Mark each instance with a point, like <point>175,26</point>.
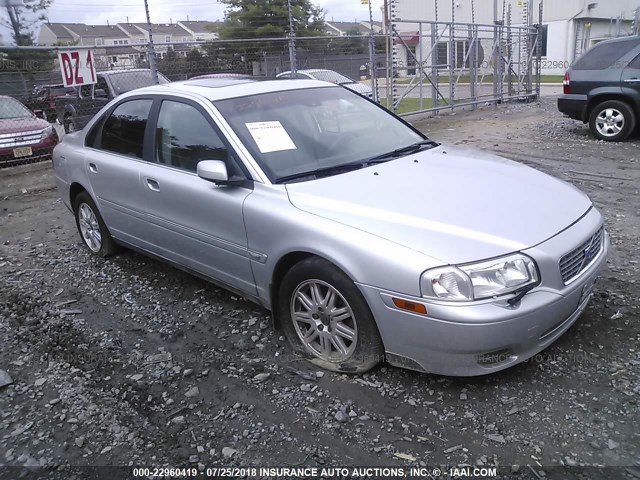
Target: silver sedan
<point>366,240</point>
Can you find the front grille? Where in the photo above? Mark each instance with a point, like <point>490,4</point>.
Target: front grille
<point>21,139</point>
<point>579,258</point>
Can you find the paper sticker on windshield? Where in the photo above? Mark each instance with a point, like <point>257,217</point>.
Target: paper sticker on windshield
<point>270,136</point>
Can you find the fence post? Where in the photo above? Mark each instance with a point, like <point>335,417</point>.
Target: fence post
<point>292,41</point>
<point>372,57</point>
<point>434,66</point>
<point>150,48</point>
<point>539,52</point>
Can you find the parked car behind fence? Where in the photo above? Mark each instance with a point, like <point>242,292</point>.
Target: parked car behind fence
<point>73,112</point>
<point>24,138</point>
<point>42,100</point>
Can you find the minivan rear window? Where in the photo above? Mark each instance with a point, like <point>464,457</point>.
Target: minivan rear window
<point>605,55</point>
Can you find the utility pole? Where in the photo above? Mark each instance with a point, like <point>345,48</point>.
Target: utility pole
<point>292,42</point>
<point>150,48</point>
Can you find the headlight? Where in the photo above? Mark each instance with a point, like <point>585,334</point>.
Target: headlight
<point>50,132</point>
<point>477,281</point>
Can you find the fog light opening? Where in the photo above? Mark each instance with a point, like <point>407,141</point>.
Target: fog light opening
<point>410,306</point>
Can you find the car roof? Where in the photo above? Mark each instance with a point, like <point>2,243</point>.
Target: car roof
<point>223,88</point>
<point>314,70</point>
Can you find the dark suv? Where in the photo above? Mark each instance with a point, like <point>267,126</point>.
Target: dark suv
<point>603,88</point>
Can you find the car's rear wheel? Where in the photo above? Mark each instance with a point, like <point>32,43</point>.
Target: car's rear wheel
<point>612,121</point>
<point>93,231</point>
<point>326,318</point>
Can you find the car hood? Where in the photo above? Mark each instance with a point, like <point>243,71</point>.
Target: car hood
<point>453,204</point>
<point>18,125</point>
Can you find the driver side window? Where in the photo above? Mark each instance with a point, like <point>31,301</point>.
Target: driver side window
<point>184,137</point>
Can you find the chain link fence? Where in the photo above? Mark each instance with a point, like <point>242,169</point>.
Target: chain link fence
<point>441,66</point>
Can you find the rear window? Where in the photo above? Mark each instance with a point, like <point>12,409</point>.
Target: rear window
<point>605,55</point>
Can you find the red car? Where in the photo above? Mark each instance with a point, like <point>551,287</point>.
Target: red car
<point>24,138</point>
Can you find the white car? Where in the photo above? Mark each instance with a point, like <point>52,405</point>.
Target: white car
<point>330,76</point>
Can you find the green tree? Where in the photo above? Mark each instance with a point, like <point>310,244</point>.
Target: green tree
<point>270,18</point>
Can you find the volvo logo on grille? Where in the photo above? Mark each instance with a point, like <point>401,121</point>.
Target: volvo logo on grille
<point>591,251</point>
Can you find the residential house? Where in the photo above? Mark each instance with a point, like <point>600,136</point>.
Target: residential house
<point>201,30</point>
<point>342,29</point>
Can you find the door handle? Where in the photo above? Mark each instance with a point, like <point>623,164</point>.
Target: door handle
<point>153,185</point>
<point>632,80</point>
<point>93,168</point>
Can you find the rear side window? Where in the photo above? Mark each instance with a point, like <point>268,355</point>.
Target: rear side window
<point>605,55</point>
<point>123,131</point>
<point>635,63</point>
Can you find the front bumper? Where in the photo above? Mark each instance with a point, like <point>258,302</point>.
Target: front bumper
<point>477,339</point>
<point>40,152</point>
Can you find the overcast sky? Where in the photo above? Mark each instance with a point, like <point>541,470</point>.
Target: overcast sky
<point>95,12</point>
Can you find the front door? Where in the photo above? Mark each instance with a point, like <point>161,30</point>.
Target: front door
<point>195,222</point>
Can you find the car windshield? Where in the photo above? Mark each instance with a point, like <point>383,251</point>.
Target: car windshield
<point>10,108</point>
<point>127,81</point>
<point>331,76</point>
<point>297,131</point>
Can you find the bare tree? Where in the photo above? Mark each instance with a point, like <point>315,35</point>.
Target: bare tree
<point>23,17</point>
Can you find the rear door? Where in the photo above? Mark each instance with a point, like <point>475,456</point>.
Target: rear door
<point>114,160</point>
<point>193,221</point>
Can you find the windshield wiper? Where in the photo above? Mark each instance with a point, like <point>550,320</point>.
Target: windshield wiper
<point>399,152</point>
<point>348,167</point>
<point>321,172</point>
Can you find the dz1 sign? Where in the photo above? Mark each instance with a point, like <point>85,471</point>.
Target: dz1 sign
<point>77,67</point>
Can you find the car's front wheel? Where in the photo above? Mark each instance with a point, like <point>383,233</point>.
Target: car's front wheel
<point>92,229</point>
<point>612,121</point>
<point>326,318</point>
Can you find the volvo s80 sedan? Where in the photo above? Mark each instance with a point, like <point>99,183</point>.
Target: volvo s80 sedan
<point>367,240</point>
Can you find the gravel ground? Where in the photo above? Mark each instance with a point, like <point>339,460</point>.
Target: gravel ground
<point>131,362</point>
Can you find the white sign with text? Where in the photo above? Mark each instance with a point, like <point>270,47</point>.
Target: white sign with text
<point>77,67</point>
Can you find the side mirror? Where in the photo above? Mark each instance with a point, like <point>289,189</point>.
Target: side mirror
<point>213,170</point>
<point>100,93</point>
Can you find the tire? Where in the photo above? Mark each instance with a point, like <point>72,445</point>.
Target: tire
<point>69,125</point>
<point>92,229</point>
<point>341,332</point>
<point>612,121</point>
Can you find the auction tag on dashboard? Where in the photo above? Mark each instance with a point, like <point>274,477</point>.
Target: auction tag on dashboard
<point>270,136</point>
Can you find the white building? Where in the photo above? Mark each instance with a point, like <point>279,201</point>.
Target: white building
<point>570,27</point>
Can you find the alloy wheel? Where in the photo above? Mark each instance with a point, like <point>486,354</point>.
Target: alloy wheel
<point>89,227</point>
<point>610,122</point>
<point>324,321</point>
